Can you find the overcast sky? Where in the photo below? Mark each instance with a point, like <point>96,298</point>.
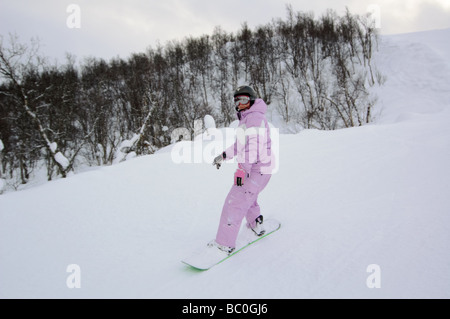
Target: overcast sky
<point>110,28</point>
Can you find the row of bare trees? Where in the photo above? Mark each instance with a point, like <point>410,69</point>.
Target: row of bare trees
<point>316,72</point>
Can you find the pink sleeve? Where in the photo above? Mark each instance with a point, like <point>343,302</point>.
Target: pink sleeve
<point>231,151</point>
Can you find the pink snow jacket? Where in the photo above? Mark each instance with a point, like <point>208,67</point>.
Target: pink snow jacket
<point>253,144</point>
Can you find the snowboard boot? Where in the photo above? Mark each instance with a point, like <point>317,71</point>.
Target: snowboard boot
<point>259,228</point>
<point>225,249</point>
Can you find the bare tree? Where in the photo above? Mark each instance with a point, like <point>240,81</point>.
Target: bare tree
<point>316,72</point>
<point>16,62</point>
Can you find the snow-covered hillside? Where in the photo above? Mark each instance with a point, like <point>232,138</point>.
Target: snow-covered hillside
<point>355,204</point>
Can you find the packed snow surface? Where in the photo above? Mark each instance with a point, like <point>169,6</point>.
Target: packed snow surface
<point>358,206</point>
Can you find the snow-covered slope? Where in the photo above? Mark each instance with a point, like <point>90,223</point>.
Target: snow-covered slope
<point>347,199</point>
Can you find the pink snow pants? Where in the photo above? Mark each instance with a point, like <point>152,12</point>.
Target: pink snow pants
<point>241,202</point>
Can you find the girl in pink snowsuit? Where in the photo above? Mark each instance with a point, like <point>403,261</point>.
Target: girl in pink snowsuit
<point>253,152</point>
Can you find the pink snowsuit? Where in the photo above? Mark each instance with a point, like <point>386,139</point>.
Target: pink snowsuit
<point>253,151</point>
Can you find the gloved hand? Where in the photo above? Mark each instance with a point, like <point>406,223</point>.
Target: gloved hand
<point>240,176</point>
<point>219,159</point>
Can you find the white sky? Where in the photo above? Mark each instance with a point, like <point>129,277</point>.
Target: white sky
<point>110,28</point>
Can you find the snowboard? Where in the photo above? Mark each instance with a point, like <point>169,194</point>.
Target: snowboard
<point>208,257</point>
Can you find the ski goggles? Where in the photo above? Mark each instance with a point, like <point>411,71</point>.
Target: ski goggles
<point>241,99</point>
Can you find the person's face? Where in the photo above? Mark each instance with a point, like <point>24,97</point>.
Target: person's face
<point>244,106</point>
<point>242,102</point>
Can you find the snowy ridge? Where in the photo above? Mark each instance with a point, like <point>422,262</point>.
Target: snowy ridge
<point>347,199</point>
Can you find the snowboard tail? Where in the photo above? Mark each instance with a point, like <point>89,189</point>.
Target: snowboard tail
<point>211,256</point>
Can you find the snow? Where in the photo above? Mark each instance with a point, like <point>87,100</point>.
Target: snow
<point>123,152</point>
<point>209,122</point>
<point>53,147</point>
<point>62,160</point>
<point>355,204</point>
